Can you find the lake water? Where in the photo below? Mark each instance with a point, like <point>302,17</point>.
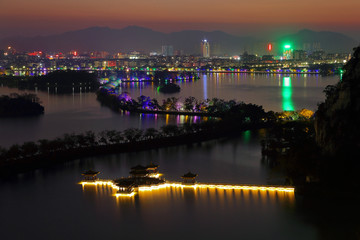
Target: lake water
<point>80,112</point>
<point>50,204</point>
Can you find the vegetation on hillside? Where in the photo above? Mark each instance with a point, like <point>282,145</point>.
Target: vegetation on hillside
<point>322,156</point>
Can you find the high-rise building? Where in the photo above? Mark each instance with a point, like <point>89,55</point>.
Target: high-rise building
<point>288,51</point>
<point>299,55</point>
<point>167,50</point>
<point>205,48</point>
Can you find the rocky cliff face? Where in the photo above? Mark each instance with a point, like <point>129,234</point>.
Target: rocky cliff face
<point>337,121</point>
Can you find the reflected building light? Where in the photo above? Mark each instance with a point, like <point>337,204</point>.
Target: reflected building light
<point>286,91</point>
<point>197,186</point>
<point>205,86</point>
<point>246,136</point>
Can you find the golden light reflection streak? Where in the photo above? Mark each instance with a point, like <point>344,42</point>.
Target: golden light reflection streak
<point>195,186</point>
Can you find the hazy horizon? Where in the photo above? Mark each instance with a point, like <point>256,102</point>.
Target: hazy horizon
<point>42,17</point>
<point>260,32</point>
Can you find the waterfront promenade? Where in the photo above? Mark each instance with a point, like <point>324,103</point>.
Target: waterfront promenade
<point>171,184</point>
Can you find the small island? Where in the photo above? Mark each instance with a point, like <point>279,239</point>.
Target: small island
<point>16,105</point>
<point>60,82</point>
<point>169,88</point>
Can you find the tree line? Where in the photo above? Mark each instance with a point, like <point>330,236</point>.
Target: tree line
<point>90,139</point>
<point>209,107</point>
<point>18,105</point>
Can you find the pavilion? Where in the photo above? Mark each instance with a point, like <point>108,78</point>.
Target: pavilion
<point>189,178</point>
<point>90,175</point>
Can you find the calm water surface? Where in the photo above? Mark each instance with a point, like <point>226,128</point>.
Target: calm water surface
<point>50,204</point>
<point>80,112</point>
<point>273,92</point>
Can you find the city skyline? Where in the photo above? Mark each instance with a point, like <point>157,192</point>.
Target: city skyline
<point>250,18</point>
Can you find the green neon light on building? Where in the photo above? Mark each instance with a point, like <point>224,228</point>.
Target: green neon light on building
<point>286,92</point>
<point>341,74</point>
<point>287,46</point>
<point>246,136</point>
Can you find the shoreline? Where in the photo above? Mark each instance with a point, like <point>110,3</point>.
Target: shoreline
<point>9,168</point>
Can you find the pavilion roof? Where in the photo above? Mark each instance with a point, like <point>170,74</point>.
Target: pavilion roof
<point>90,172</point>
<point>152,165</point>
<point>189,175</point>
<point>139,172</point>
<point>139,167</point>
<point>124,182</point>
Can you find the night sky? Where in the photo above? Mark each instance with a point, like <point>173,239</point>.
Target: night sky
<point>24,17</point>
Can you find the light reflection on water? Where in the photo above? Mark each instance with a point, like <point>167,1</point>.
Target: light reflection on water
<point>287,95</point>
<point>80,112</point>
<point>200,196</point>
<point>205,213</point>
<point>50,204</point>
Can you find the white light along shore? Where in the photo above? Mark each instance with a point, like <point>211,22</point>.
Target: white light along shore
<point>110,183</point>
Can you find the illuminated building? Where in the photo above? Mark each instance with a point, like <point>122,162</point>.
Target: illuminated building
<point>141,181</point>
<point>179,52</point>
<point>317,55</point>
<point>139,176</point>
<point>287,53</point>
<point>189,178</point>
<point>267,58</point>
<point>119,55</point>
<point>152,170</point>
<point>138,171</point>
<point>101,54</point>
<point>128,190</point>
<point>90,175</point>
<point>299,55</point>
<point>9,51</point>
<point>248,57</point>
<point>205,48</point>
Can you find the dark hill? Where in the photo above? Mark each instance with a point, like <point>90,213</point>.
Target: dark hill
<point>129,39</point>
<point>337,119</point>
<point>328,41</point>
<point>146,40</point>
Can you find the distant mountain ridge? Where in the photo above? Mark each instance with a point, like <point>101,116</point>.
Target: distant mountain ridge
<point>144,39</point>
<point>328,41</point>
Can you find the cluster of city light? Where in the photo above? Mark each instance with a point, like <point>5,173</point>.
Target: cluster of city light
<point>192,186</point>
<point>297,70</point>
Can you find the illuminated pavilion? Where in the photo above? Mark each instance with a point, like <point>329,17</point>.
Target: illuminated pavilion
<point>152,168</point>
<point>140,176</point>
<point>90,175</point>
<point>189,178</point>
<point>138,171</point>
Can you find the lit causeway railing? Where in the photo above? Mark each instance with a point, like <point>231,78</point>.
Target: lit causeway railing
<point>140,189</point>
